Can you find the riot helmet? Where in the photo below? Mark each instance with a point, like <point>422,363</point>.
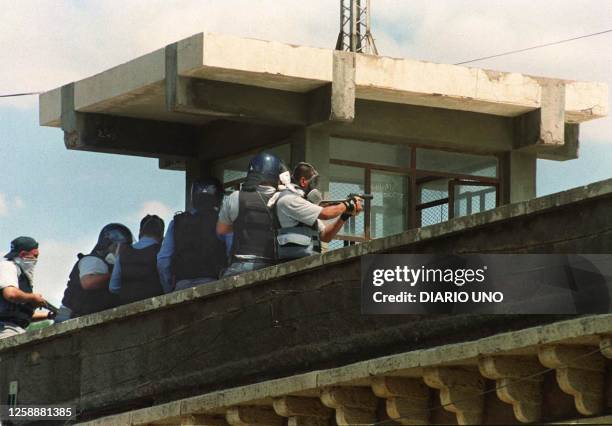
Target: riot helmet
<point>206,194</point>
<point>111,237</point>
<point>265,168</point>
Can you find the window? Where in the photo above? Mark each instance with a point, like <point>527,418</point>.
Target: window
<point>412,187</point>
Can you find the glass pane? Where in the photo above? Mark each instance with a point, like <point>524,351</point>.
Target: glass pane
<point>390,204</point>
<point>474,199</point>
<point>343,181</point>
<point>433,189</point>
<point>370,152</point>
<point>453,162</point>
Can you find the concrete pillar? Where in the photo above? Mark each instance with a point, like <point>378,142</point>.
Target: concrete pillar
<point>312,146</point>
<point>518,176</point>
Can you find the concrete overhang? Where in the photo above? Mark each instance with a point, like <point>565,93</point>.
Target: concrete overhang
<point>136,88</point>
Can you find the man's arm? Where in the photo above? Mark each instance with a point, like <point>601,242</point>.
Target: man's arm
<point>114,286</point>
<point>164,259</point>
<point>331,212</point>
<point>95,281</point>
<point>40,316</point>
<point>14,295</point>
<point>224,228</point>
<point>331,230</point>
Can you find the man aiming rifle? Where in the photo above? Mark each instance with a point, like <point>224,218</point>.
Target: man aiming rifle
<point>300,217</point>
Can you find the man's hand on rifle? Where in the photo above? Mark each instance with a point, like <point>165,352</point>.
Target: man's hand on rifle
<point>354,206</point>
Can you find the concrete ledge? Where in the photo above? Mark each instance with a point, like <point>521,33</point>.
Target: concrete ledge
<point>488,218</point>
<point>133,88</point>
<point>361,374</point>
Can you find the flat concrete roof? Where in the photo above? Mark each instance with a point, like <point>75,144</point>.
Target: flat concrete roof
<point>137,88</point>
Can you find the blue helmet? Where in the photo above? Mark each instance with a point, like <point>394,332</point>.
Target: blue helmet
<point>206,193</point>
<point>266,168</point>
<point>112,235</point>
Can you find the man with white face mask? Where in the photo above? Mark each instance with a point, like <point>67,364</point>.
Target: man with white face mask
<point>301,218</point>
<point>17,299</point>
<point>88,285</point>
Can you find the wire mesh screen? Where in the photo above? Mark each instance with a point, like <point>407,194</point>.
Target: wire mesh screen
<point>346,180</point>
<point>474,199</point>
<point>433,191</point>
<point>434,215</point>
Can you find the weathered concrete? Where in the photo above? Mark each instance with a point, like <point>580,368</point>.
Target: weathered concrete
<point>575,333</point>
<point>280,317</point>
<point>131,88</point>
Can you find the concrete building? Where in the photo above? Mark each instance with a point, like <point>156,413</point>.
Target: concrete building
<point>447,146</point>
<point>431,141</point>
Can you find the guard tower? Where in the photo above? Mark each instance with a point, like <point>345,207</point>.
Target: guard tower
<point>430,141</point>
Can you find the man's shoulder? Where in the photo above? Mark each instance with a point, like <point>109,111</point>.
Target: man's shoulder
<point>8,272</point>
<point>8,266</point>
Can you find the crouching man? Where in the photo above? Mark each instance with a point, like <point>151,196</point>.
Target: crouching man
<point>18,302</point>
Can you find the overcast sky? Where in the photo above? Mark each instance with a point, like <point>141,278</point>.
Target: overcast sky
<point>64,197</point>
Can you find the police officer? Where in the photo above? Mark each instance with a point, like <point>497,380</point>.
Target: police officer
<point>88,290</point>
<point>246,214</point>
<point>301,220</point>
<point>192,253</point>
<point>135,274</point>
<point>17,299</point>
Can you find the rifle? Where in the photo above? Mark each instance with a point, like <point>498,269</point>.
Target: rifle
<point>349,197</point>
<point>51,308</point>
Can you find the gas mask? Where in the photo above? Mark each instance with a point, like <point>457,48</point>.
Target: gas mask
<point>315,196</point>
<point>27,266</point>
<point>113,252</point>
<point>313,183</point>
<point>285,178</point>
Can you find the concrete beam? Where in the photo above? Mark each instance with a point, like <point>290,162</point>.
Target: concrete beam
<point>224,138</point>
<point>135,88</point>
<point>329,102</point>
<point>545,131</point>
<point>438,128</point>
<point>121,135</point>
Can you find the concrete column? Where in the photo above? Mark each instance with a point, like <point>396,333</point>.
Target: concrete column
<point>312,146</point>
<point>518,176</point>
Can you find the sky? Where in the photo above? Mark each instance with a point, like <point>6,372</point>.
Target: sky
<point>63,198</point>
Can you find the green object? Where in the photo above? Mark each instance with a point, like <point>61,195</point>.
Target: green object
<point>38,325</point>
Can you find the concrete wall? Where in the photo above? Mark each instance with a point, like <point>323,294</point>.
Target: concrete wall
<point>297,317</point>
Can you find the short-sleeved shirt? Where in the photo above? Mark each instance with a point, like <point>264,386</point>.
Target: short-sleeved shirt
<point>9,277</point>
<point>92,265</point>
<point>293,209</point>
<point>229,209</point>
<point>9,274</point>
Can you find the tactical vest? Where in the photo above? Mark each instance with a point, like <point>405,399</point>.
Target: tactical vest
<point>139,276</point>
<point>82,302</point>
<point>296,241</point>
<point>254,228</point>
<point>18,313</point>
<point>198,252</point>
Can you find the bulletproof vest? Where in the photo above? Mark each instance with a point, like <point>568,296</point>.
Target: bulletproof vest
<point>139,276</point>
<point>296,241</point>
<point>18,313</point>
<point>254,228</point>
<point>82,302</point>
<point>198,252</point>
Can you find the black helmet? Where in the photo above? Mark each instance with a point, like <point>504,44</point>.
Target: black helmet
<point>266,168</point>
<point>112,235</point>
<point>206,193</point>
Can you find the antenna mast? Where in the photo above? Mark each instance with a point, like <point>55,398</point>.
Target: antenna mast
<point>356,27</point>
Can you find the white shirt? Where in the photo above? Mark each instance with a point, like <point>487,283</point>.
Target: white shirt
<point>9,274</point>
